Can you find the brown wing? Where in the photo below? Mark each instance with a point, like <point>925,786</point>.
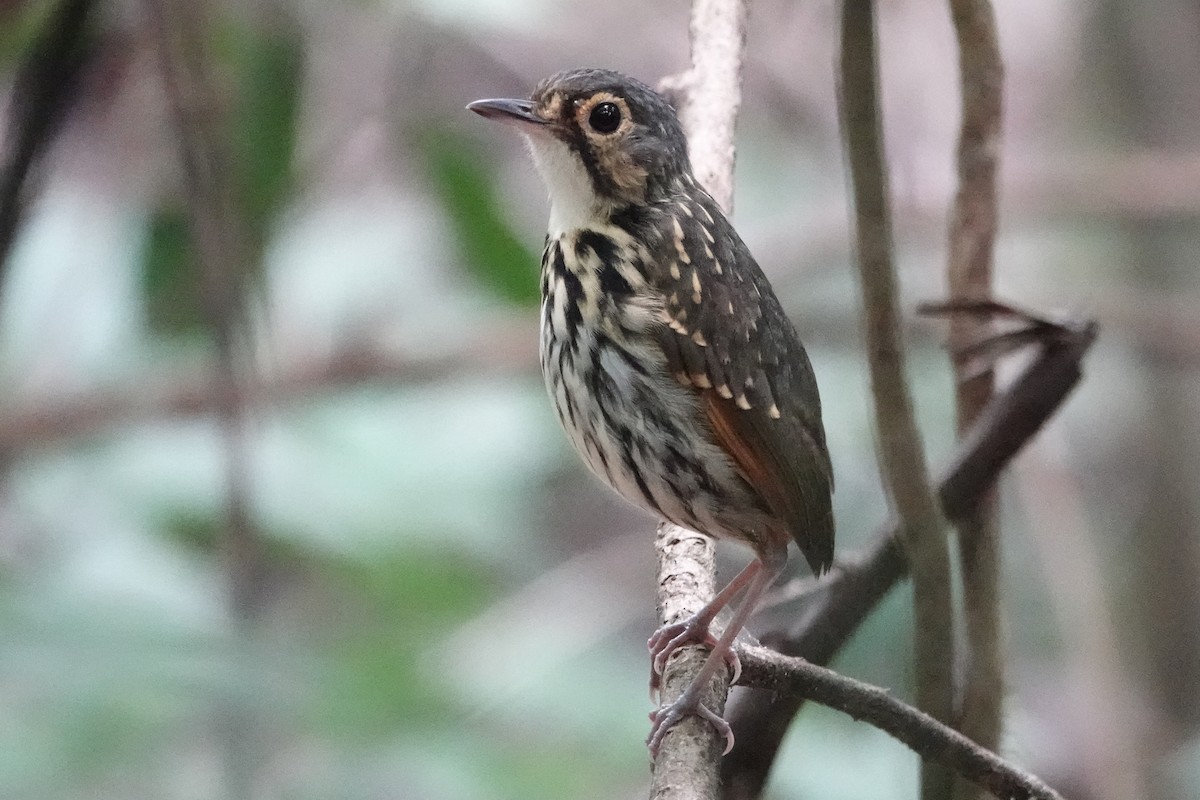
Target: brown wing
<point>728,337</point>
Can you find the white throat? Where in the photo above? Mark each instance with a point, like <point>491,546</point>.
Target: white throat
<point>573,201</point>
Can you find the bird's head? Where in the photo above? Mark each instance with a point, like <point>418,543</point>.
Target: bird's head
<point>600,140</point>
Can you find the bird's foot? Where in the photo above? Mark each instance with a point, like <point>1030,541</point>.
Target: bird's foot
<point>669,715</point>
<point>669,638</point>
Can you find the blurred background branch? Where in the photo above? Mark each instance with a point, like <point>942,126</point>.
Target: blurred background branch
<point>901,452</point>
<point>219,246</point>
<point>45,86</point>
<point>973,222</point>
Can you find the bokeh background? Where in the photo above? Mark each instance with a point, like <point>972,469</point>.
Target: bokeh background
<point>445,606</point>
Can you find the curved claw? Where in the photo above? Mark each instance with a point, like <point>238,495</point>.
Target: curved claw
<point>669,638</point>
<point>669,716</point>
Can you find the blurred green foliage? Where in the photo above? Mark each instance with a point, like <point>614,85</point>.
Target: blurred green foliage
<point>467,189</point>
<point>20,24</point>
<point>263,68</point>
<point>267,69</point>
<point>170,284</point>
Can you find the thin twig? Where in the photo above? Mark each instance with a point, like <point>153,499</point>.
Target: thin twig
<point>902,458</point>
<point>932,740</point>
<point>969,270</point>
<point>842,600</point>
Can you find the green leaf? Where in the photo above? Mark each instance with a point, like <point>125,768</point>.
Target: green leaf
<point>467,191</point>
<point>170,282</point>
<point>20,25</point>
<point>269,66</point>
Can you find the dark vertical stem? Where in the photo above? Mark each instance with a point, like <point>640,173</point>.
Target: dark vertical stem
<point>46,84</point>
<point>901,455</point>
<point>222,255</point>
<point>969,272</point>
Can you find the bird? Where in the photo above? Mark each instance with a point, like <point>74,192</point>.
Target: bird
<point>669,361</point>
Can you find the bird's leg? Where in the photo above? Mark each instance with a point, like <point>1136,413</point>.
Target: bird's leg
<point>769,567</point>
<point>696,629</point>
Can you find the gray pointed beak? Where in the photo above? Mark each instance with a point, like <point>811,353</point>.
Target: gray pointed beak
<point>514,112</point>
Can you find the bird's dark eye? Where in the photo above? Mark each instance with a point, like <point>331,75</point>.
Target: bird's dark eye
<point>605,117</point>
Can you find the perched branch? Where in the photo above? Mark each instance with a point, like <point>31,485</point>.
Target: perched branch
<point>902,458</point>
<point>930,739</point>
<point>969,272</point>
<point>688,761</point>
<point>840,602</point>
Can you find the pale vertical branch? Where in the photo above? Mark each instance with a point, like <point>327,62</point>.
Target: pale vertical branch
<point>710,93</point>
<point>969,273</point>
<point>687,766</point>
<point>902,459</point>
<point>708,97</point>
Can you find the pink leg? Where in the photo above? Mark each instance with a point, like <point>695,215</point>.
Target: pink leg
<point>689,702</point>
<point>695,629</point>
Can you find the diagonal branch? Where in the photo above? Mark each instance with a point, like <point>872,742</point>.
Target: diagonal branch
<point>902,458</point>
<point>932,740</point>
<point>840,602</point>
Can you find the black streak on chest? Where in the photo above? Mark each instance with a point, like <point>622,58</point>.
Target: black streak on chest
<point>612,282</point>
<point>573,302</point>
